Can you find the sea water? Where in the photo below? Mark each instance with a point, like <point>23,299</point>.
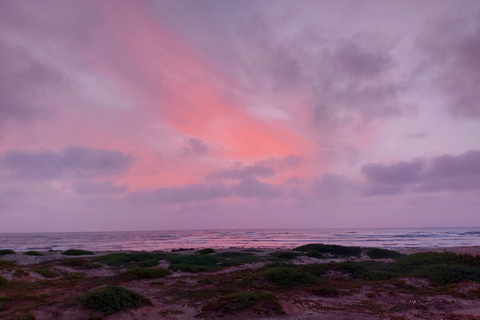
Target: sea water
<point>246,238</point>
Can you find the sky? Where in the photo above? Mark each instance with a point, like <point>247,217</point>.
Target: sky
<point>186,114</point>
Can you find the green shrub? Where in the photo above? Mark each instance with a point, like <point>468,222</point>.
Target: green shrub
<point>315,269</point>
<point>264,303</point>
<point>205,251</point>
<point>444,274</point>
<point>145,273</point>
<point>378,253</point>
<point>46,273</point>
<point>417,261</point>
<point>128,259</point>
<point>33,253</point>
<point>6,251</point>
<point>358,270</point>
<point>289,277</point>
<point>8,265</point>
<point>194,263</point>
<point>148,263</point>
<point>284,255</point>
<point>20,273</point>
<point>3,281</point>
<point>335,250</point>
<point>80,264</point>
<point>77,252</point>
<point>112,299</point>
<point>74,275</point>
<point>233,254</point>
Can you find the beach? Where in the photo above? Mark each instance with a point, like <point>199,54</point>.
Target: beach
<point>310,282</point>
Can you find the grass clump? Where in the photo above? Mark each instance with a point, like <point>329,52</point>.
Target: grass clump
<point>289,277</point>
<point>74,276</point>
<point>130,259</point>
<point>80,264</point>
<point>359,270</point>
<point>112,299</point>
<point>417,261</point>
<point>194,263</point>
<point>378,253</point>
<point>33,253</point>
<point>77,252</point>
<point>334,250</point>
<point>263,303</point>
<point>6,251</point>
<point>284,255</point>
<point>46,273</point>
<point>145,273</point>
<point>7,265</point>
<point>444,274</point>
<point>20,273</point>
<point>3,281</point>
<point>205,251</point>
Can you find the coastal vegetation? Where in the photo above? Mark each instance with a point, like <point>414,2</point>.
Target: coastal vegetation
<point>77,252</point>
<point>112,299</point>
<point>239,283</point>
<point>6,251</point>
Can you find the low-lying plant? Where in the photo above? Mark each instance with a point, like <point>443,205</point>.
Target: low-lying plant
<point>334,250</point>
<point>205,251</point>
<point>74,275</point>
<point>7,265</point>
<point>46,273</point>
<point>80,264</point>
<point>284,255</point>
<point>289,277</point>
<point>145,273</point>
<point>77,252</point>
<point>112,299</point>
<point>378,253</point>
<point>6,251</point>
<point>131,259</point>
<point>3,281</point>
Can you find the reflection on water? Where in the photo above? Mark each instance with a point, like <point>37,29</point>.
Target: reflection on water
<point>265,238</point>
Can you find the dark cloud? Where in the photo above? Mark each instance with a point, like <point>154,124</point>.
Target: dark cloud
<point>452,47</point>
<point>89,187</point>
<point>458,173</point>
<point>71,162</point>
<point>25,80</point>
<point>22,81</point>
<point>395,174</point>
<point>252,188</point>
<point>194,146</point>
<point>260,169</point>
<point>362,62</point>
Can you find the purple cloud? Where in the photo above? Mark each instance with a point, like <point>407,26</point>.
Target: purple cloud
<point>194,146</point>
<point>452,47</point>
<point>459,173</point>
<point>71,162</point>
<point>395,174</point>
<point>252,188</point>
<point>89,187</point>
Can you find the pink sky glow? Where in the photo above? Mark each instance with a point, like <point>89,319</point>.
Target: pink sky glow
<point>185,114</point>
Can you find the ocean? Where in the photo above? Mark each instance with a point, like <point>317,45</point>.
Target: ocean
<point>242,238</point>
